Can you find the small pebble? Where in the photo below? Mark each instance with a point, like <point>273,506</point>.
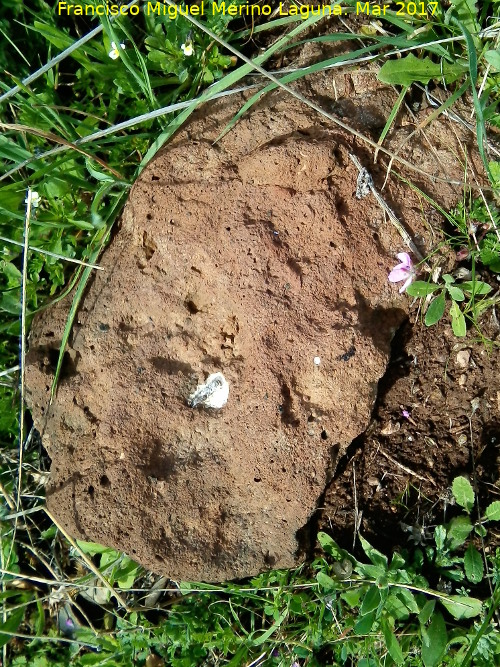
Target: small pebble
<point>463,358</point>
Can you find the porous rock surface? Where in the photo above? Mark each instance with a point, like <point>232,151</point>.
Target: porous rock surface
<point>250,256</point>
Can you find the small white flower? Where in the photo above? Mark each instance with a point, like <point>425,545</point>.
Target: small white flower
<point>35,199</point>
<point>187,49</point>
<point>114,53</point>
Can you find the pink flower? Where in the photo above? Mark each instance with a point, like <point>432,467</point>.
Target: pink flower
<point>403,271</point>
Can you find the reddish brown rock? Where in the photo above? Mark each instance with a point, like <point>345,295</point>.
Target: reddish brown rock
<point>249,257</point>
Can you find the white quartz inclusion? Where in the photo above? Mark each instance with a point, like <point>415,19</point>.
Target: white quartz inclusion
<point>213,394</point>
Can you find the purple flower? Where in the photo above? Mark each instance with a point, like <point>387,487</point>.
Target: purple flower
<point>403,271</point>
<point>405,414</point>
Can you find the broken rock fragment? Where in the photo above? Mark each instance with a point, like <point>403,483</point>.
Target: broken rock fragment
<point>250,258</point>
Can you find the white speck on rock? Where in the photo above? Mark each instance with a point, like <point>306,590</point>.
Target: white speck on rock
<point>213,394</point>
<point>317,361</point>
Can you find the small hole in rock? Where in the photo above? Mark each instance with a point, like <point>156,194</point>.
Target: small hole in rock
<point>191,306</point>
<point>104,481</point>
<point>324,435</point>
<point>257,479</point>
<point>90,490</point>
<point>310,418</point>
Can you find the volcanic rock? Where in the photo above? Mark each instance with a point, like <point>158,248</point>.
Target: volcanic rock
<point>249,257</point>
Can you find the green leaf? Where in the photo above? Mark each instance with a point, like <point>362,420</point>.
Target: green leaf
<point>493,511</point>
<point>480,530</point>
<point>434,644</point>
<point>325,582</point>
<point>463,493</point>
<point>365,623</point>
<point>91,548</point>
<point>459,530</point>
<point>493,58</point>
<point>10,302</point>
<point>495,172</point>
<point>427,611</point>
<point>491,258</point>
<point>392,643</point>
<point>454,575</point>
<point>369,571</point>
<point>126,574</point>
<point>330,546</point>
<point>476,287</point>
<point>461,607</point>
<point>352,596</point>
<point>408,70</point>
<point>375,556</point>
<point>298,651</point>
<point>466,12</point>
<point>396,608</point>
<point>40,618</point>
<point>12,274</point>
<point>12,623</point>
<point>455,293</point>
<point>440,536</point>
<point>9,150</point>
<point>397,562</point>
<point>435,311</point>
<point>270,631</point>
<point>458,321</point>
<point>98,175</point>
<point>408,599</point>
<point>371,601</point>
<point>473,564</point>
<point>421,288</point>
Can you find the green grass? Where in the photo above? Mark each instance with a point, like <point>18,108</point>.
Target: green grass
<point>78,131</point>
<point>337,610</point>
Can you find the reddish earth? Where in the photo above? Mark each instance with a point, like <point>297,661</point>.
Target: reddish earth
<point>251,257</point>
<point>394,483</point>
